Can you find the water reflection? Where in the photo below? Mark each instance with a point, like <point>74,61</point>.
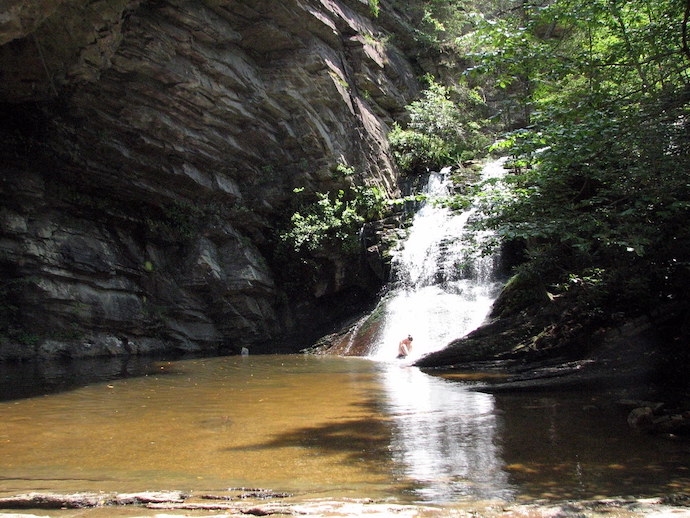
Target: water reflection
<point>444,441</point>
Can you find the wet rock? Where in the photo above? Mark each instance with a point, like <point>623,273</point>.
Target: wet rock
<point>673,424</point>
<point>667,423</point>
<point>542,342</point>
<point>636,403</point>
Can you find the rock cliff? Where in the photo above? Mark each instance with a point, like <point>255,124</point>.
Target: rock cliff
<point>150,149</point>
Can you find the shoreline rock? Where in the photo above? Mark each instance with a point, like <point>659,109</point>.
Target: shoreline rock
<point>536,342</point>
<point>676,506</point>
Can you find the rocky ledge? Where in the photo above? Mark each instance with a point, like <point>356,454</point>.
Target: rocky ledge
<point>537,342</point>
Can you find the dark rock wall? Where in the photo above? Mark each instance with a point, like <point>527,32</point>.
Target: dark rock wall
<point>149,149</point>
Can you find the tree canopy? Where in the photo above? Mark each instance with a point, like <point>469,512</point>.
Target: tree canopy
<point>594,99</point>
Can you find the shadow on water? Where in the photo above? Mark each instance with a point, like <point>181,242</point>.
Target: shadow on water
<point>361,440</point>
<point>318,425</point>
<point>31,379</point>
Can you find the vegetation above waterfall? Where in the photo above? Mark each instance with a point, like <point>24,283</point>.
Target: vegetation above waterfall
<point>601,190</point>
<point>446,127</point>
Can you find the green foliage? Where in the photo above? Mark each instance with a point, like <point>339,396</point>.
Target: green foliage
<point>601,183</point>
<point>436,23</point>
<point>600,198</point>
<point>343,170</point>
<point>413,198</point>
<point>374,7</point>
<point>333,220</point>
<point>415,151</point>
<point>444,129</point>
<point>549,53</point>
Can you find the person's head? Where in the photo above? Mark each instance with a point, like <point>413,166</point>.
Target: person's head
<point>409,337</point>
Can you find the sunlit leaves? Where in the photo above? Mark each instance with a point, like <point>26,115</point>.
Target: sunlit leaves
<point>612,48</point>
<point>601,167</point>
<point>444,128</point>
<point>333,220</point>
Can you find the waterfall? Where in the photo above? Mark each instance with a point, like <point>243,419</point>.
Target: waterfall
<point>440,290</point>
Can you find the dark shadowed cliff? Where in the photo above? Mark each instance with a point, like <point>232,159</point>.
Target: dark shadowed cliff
<point>149,151</point>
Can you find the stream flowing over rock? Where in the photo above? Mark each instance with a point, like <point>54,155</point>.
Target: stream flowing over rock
<point>150,150</point>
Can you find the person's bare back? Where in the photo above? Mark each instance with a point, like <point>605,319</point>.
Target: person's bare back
<point>405,346</point>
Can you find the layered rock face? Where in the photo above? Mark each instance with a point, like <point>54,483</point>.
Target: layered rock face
<point>150,149</point>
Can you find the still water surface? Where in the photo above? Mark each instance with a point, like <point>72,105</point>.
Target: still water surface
<point>316,427</point>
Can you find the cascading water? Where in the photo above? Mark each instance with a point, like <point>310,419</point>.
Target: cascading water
<point>441,291</point>
<point>443,433</point>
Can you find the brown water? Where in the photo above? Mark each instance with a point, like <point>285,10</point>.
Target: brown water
<point>316,427</point>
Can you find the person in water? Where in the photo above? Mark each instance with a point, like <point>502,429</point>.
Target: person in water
<point>405,346</point>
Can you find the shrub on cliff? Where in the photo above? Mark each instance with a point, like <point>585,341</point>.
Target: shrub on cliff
<point>444,129</point>
<point>333,221</point>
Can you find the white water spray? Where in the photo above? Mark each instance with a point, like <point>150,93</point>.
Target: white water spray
<point>442,291</point>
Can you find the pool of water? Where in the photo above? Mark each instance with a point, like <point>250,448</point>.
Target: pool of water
<point>316,427</point>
